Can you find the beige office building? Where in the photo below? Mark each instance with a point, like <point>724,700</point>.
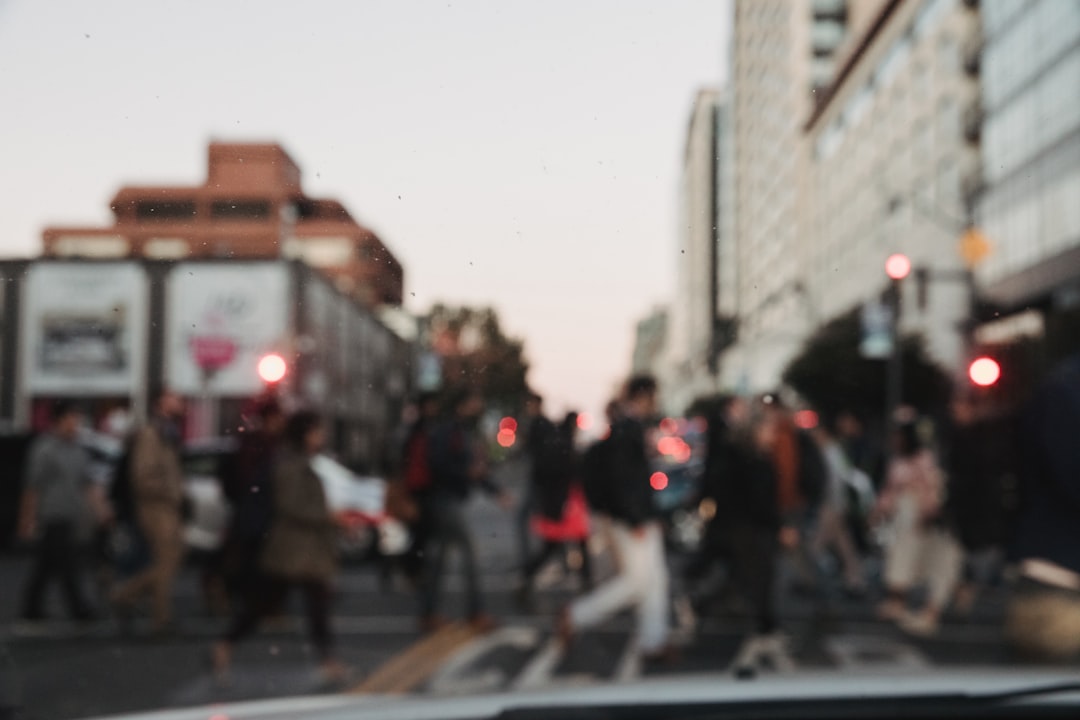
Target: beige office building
<point>892,163</point>
<point>783,54</point>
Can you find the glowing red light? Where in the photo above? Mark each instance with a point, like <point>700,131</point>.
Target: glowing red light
<point>508,423</point>
<point>584,421</point>
<point>272,368</point>
<point>683,454</point>
<point>667,445</point>
<point>898,266</point>
<point>506,438</point>
<point>984,371</point>
<point>669,426</point>
<point>806,419</point>
<point>658,481</point>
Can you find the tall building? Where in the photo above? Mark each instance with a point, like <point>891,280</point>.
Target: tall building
<point>251,206</point>
<point>689,369</point>
<point>890,165</point>
<point>782,54</point>
<point>649,340</point>
<point>1030,207</point>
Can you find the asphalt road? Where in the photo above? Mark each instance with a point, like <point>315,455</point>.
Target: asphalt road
<point>66,673</point>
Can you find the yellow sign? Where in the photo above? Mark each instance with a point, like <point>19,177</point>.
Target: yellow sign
<point>974,247</point>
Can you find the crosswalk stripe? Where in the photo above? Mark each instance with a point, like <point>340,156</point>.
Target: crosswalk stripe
<point>414,664</point>
<point>540,669</point>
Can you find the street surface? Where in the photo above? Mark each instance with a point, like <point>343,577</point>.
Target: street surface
<point>63,673</point>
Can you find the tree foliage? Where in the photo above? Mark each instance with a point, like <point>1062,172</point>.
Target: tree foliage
<point>477,354</point>
<point>832,375</point>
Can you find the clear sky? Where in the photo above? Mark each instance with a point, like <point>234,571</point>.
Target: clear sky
<point>520,154</point>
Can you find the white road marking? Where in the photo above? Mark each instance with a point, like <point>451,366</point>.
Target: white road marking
<point>453,676</point>
<point>538,672</point>
<point>862,651</point>
<point>629,666</point>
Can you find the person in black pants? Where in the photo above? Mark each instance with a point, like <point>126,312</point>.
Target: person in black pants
<point>754,536</point>
<point>53,505</point>
<point>300,551</point>
<point>558,461</point>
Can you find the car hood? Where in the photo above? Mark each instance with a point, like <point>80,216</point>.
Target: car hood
<point>807,688</point>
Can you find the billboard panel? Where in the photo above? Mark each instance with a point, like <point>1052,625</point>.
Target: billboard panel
<point>84,329</point>
<point>220,319</point>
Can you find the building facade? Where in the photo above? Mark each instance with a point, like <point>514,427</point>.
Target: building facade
<point>1029,209</point>
<point>251,206</point>
<point>650,337</point>
<point>782,54</point>
<point>892,161</point>
<point>689,368</point>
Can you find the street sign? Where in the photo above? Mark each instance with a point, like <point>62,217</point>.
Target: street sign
<point>877,339</point>
<point>974,247</point>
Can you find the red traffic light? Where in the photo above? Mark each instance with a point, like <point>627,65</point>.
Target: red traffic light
<point>272,368</point>
<point>984,371</point>
<point>898,266</point>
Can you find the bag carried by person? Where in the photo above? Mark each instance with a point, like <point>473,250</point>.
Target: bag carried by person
<point>574,523</point>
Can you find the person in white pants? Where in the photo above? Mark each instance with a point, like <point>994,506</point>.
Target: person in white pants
<point>642,579</point>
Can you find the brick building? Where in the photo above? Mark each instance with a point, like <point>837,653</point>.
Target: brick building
<point>252,206</point>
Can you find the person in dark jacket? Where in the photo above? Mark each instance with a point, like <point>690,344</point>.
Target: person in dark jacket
<point>417,476</point>
<point>981,465</point>
<point>642,580</point>
<point>557,504</point>
<point>721,461</point>
<point>1043,617</point>
<point>300,550</point>
<point>247,487</point>
<point>458,463</point>
<point>542,491</point>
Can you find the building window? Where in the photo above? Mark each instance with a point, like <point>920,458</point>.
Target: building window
<point>165,209</point>
<point>240,210</point>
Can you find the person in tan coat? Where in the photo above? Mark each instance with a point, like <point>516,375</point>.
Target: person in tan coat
<point>158,488</point>
<point>300,550</point>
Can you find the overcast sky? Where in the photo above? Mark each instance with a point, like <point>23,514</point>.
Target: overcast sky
<point>520,154</point>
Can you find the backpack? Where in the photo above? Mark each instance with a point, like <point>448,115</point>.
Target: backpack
<point>813,474</point>
<point>595,474</point>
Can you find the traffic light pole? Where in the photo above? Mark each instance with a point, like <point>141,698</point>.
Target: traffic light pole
<point>894,371</point>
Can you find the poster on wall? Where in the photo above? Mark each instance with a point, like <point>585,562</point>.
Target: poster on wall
<point>84,329</point>
<point>220,320</point>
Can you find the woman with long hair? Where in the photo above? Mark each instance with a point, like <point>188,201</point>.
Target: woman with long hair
<point>920,549</point>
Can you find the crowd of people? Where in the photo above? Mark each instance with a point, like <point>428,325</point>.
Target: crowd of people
<point>946,512</point>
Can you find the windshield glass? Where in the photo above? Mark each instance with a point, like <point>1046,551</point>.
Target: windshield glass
<point>467,347</point>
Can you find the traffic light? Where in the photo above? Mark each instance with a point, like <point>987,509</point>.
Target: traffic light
<point>898,266</point>
<point>272,368</point>
<point>984,371</point>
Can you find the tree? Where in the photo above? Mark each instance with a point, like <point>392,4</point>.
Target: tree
<point>475,353</point>
<point>833,376</point>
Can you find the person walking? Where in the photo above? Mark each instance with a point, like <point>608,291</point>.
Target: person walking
<point>457,464</point>
<point>540,440</point>
<point>416,479</point>
<point>756,533</point>
<point>921,549</point>
<point>54,505</point>
<point>642,580</point>
<point>300,551</point>
<point>1042,621</point>
<point>248,489</point>
<point>832,527</point>
<point>564,516</point>
<point>157,487</point>
<point>718,481</point>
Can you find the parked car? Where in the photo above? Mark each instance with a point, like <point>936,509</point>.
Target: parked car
<point>358,501</point>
